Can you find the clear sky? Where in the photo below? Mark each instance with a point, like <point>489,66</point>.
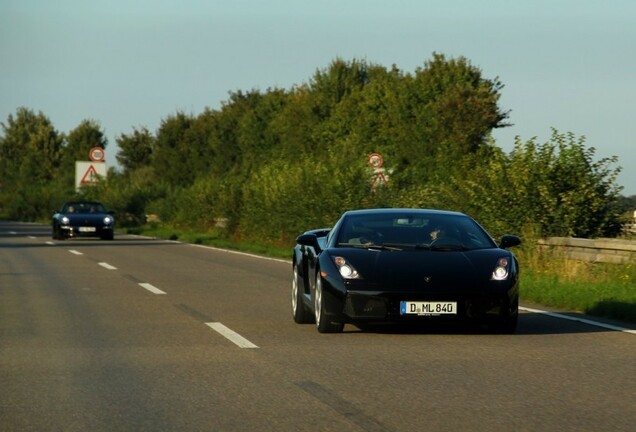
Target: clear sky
<point>567,64</point>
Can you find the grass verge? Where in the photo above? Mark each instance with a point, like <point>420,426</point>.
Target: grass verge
<point>602,289</point>
<point>211,239</point>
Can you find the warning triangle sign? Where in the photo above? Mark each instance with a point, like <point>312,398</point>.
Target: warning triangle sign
<point>91,176</point>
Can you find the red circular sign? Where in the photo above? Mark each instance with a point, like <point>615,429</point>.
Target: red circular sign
<point>376,160</point>
<point>97,154</point>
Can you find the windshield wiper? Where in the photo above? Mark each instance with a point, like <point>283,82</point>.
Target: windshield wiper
<point>386,246</point>
<point>423,246</point>
<point>374,246</point>
<point>441,247</point>
<point>448,247</point>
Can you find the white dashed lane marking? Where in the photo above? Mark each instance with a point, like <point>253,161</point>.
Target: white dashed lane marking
<point>221,329</point>
<point>151,288</point>
<point>230,335</point>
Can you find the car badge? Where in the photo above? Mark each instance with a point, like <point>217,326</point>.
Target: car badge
<point>427,279</point>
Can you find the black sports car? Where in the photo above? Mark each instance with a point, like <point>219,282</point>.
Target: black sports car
<point>405,265</point>
<point>83,219</point>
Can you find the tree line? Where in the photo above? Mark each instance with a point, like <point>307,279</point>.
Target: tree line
<point>267,165</point>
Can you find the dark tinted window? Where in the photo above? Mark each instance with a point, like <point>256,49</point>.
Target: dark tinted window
<point>411,230</point>
<point>83,208</point>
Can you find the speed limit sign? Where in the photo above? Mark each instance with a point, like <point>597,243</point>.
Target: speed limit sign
<point>375,160</point>
<point>96,154</point>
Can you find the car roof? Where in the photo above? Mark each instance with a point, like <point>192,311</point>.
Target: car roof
<point>82,202</point>
<point>418,211</point>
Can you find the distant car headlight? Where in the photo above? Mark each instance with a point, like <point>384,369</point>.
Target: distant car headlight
<point>501,270</point>
<point>346,270</point>
<point>108,220</point>
<point>65,220</point>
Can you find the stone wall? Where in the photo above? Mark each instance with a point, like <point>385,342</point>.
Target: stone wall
<point>597,250</point>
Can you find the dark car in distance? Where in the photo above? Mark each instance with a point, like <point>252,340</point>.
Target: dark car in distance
<point>405,265</point>
<point>83,219</point>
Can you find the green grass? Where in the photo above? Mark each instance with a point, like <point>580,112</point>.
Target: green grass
<point>211,239</point>
<point>601,289</point>
<point>547,278</point>
<point>611,299</point>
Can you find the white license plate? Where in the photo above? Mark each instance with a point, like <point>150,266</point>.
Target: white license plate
<point>86,229</point>
<point>428,308</point>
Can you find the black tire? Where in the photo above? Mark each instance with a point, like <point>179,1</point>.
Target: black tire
<point>299,310</point>
<point>323,325</point>
<point>57,234</point>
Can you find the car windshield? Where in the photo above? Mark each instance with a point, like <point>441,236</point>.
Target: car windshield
<point>83,208</point>
<point>391,232</point>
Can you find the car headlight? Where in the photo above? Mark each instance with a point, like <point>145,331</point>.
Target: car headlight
<point>65,220</point>
<point>108,220</point>
<point>345,269</point>
<point>501,270</point>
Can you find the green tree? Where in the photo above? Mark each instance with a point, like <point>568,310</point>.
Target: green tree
<point>452,110</point>
<point>171,159</point>
<point>553,189</point>
<point>135,150</point>
<point>30,152</point>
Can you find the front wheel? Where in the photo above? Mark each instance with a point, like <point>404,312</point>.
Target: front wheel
<point>322,323</point>
<point>57,234</point>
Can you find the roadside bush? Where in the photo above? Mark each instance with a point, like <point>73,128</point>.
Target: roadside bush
<point>556,187</point>
<point>282,199</point>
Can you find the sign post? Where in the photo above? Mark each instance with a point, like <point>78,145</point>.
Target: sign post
<point>380,178</point>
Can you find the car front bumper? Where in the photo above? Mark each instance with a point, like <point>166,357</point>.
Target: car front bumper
<point>383,306</point>
<point>85,231</point>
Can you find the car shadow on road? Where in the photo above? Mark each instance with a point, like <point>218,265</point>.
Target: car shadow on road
<point>530,324</point>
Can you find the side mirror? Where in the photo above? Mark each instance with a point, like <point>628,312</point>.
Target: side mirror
<point>307,240</point>
<point>508,241</point>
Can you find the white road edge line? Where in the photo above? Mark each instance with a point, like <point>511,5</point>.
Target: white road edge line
<point>231,335</point>
<point>583,320</point>
<point>107,266</point>
<point>241,253</point>
<point>151,288</point>
<point>74,252</point>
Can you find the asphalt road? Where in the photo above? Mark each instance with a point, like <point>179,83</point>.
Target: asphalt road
<point>146,335</point>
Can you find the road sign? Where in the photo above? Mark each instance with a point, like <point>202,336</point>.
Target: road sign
<point>375,160</point>
<point>89,173</point>
<point>90,176</point>
<point>379,179</point>
<point>97,154</point>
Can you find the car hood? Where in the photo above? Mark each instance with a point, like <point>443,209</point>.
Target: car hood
<point>414,268</point>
